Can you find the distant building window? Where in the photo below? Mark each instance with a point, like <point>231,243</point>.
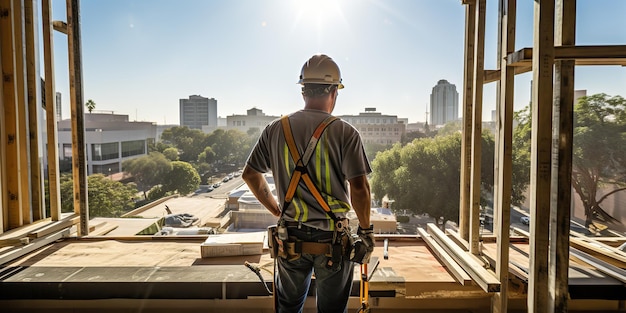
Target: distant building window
<point>135,147</point>
<point>67,150</point>
<point>105,151</point>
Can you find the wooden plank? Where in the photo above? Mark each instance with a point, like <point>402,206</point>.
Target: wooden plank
<point>468,107</point>
<point>491,76</point>
<point>34,245</point>
<point>79,156</point>
<point>604,267</point>
<point>483,278</point>
<point>22,112</point>
<point>504,154</point>
<point>605,253</point>
<point>475,179</point>
<point>37,204</point>
<point>51,115</point>
<point>541,156</point>
<point>563,130</point>
<point>3,190</point>
<point>456,237</point>
<point>583,55</point>
<point>454,268</point>
<point>103,229</point>
<point>13,208</point>
<point>515,269</point>
<point>53,227</point>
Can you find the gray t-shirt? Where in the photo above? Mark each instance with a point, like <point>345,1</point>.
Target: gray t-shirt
<point>338,157</point>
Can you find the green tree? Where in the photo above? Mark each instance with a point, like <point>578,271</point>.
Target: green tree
<point>599,151</point>
<point>91,105</point>
<point>148,170</point>
<point>599,154</point>
<point>189,142</point>
<point>207,156</point>
<point>106,198</point>
<point>423,176</point>
<point>171,154</point>
<point>183,178</point>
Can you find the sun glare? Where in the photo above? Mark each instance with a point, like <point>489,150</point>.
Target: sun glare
<point>317,12</point>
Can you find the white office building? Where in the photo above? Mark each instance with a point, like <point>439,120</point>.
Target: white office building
<point>110,139</point>
<point>254,118</point>
<point>377,128</point>
<point>444,104</point>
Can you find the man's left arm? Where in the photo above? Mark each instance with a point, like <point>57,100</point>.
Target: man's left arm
<point>261,190</point>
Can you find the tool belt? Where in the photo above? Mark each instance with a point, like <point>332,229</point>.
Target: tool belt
<point>292,248</point>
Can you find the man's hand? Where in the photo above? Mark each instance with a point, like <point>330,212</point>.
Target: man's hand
<point>363,250</point>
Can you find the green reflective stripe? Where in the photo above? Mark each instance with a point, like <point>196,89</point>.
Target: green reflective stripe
<point>297,203</point>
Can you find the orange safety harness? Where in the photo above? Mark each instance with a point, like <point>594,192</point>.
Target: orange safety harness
<point>301,172</point>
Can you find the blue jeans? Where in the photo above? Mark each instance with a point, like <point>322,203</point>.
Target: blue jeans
<point>293,279</point>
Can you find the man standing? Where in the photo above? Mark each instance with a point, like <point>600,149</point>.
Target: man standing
<point>312,156</point>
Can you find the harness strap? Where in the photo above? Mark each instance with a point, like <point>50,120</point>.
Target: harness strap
<point>300,172</point>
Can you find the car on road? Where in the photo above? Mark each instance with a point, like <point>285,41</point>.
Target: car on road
<point>226,179</point>
<point>525,220</point>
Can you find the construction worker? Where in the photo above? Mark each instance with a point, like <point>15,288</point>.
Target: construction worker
<point>312,232</point>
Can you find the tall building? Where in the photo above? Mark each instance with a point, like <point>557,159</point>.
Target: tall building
<point>375,127</point>
<point>110,140</point>
<point>58,106</point>
<point>444,103</point>
<point>198,112</point>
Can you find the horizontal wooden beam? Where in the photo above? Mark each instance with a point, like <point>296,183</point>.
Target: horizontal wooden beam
<point>583,55</point>
<point>491,76</point>
<point>604,267</point>
<point>17,252</point>
<point>60,26</point>
<point>483,278</point>
<point>454,268</point>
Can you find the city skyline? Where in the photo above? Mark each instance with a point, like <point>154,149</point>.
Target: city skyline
<point>141,57</point>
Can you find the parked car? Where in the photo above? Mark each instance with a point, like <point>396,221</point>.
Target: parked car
<point>216,185</point>
<point>226,179</point>
<point>525,220</point>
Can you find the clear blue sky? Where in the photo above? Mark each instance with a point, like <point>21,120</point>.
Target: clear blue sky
<point>141,56</point>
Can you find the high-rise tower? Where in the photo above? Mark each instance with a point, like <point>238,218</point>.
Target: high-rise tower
<point>444,103</point>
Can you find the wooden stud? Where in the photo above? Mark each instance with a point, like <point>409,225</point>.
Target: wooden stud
<point>3,190</point>
<point>79,168</point>
<point>475,186</point>
<point>23,142</point>
<point>34,106</point>
<point>468,91</point>
<point>541,155</point>
<point>51,116</point>
<point>563,124</point>
<point>10,149</point>
<point>504,154</point>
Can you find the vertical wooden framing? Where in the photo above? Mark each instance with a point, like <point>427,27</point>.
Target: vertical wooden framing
<point>563,124</point>
<point>504,154</point>
<point>3,203</point>
<point>23,143</point>
<point>51,122</point>
<point>541,148</point>
<point>79,170</point>
<point>468,94</point>
<point>11,148</point>
<point>479,53</point>
<point>33,100</point>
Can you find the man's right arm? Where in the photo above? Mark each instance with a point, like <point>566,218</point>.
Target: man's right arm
<point>360,197</point>
<point>261,190</point>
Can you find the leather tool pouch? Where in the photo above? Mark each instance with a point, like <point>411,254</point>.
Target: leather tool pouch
<point>272,242</point>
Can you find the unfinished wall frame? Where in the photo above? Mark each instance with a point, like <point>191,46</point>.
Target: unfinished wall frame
<point>552,60</point>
